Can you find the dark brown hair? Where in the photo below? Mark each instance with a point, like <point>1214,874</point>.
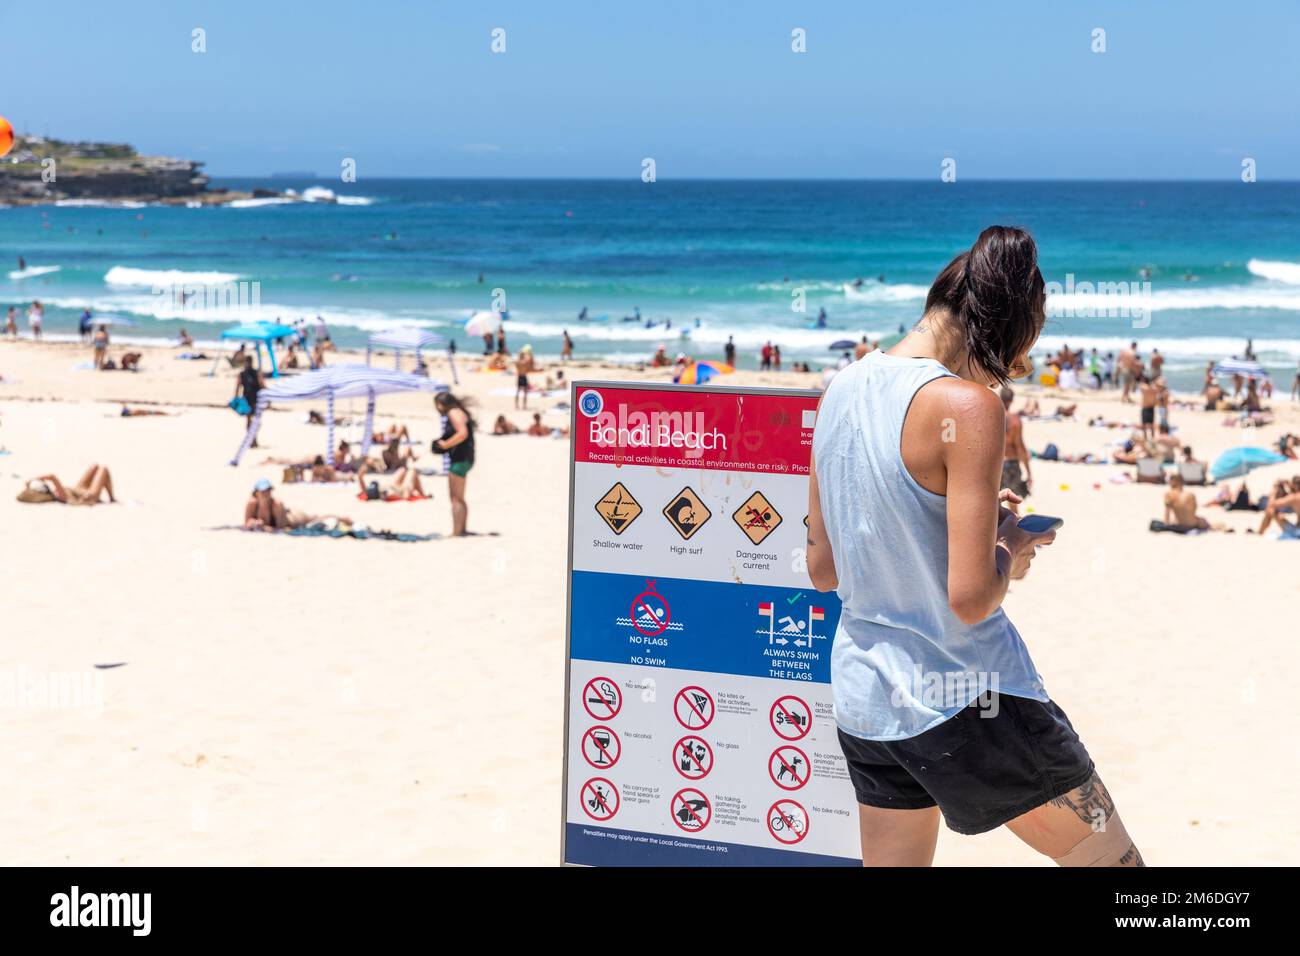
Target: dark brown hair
<point>995,293</point>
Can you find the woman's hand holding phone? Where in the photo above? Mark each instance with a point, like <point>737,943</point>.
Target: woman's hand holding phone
<point>1020,544</point>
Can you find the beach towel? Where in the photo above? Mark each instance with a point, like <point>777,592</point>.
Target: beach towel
<point>319,530</point>
<point>1174,528</point>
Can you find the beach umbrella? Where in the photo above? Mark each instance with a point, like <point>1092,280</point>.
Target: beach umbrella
<point>841,344</point>
<point>697,373</point>
<point>1243,367</point>
<point>1236,462</point>
<point>483,323</point>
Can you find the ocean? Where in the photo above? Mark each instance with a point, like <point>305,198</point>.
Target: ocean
<point>1191,268</point>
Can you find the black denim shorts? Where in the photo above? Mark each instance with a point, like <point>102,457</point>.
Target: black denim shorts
<point>987,764</point>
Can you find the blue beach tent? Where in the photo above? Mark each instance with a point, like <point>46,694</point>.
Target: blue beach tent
<point>1235,462</point>
<point>261,333</point>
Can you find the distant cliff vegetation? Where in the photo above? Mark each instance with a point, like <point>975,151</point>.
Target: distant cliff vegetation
<point>40,170</point>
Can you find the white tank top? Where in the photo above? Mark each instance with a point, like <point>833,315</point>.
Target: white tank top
<point>902,662</point>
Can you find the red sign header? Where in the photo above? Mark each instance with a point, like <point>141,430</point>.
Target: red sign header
<point>669,427</point>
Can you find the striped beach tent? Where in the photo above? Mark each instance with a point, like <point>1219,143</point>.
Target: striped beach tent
<point>1243,367</point>
<point>335,382</point>
<point>411,339</point>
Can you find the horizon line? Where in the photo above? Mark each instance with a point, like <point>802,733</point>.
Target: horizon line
<point>291,174</point>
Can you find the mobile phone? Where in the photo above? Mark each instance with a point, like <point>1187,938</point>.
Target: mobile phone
<point>1039,524</point>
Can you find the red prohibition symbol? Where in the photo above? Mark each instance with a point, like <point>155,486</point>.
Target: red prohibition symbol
<point>789,767</point>
<point>601,747</point>
<point>787,821</point>
<point>602,699</point>
<point>599,799</point>
<point>791,718</point>
<point>650,608</point>
<point>693,757</point>
<point>693,707</point>
<point>691,810</point>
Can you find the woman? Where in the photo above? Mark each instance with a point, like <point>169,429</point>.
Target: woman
<point>97,482</point>
<point>939,706</point>
<point>249,383</point>
<point>457,442</point>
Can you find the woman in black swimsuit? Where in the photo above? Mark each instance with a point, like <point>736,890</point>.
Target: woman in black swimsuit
<point>457,443</point>
<point>249,384</point>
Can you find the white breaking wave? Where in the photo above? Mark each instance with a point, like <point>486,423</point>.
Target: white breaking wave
<point>102,203</point>
<point>881,292</point>
<point>1288,272</point>
<point>355,200</point>
<point>268,201</point>
<point>165,307</point>
<point>158,278</point>
<point>1210,297</point>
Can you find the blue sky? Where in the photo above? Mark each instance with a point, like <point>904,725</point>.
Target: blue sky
<point>1011,90</point>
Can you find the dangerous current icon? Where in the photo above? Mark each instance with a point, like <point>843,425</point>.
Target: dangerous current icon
<point>618,508</point>
<point>757,517</point>
<point>687,513</point>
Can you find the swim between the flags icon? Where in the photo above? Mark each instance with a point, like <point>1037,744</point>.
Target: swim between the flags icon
<point>800,633</point>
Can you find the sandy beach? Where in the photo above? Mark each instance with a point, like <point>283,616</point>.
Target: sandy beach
<point>290,700</point>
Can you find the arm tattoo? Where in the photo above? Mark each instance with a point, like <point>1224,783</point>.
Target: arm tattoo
<point>1131,857</point>
<point>1090,802</point>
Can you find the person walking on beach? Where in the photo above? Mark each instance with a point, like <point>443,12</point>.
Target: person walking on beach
<point>248,385</point>
<point>457,442</point>
<point>566,349</point>
<point>1016,474</point>
<point>765,358</point>
<point>35,316</point>
<point>906,522</point>
<point>729,351</point>
<point>11,326</point>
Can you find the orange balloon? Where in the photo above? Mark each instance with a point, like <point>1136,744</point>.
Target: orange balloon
<point>6,136</point>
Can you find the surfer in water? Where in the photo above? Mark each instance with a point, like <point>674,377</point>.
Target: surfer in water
<point>582,316</point>
<point>821,319</point>
<point>22,264</point>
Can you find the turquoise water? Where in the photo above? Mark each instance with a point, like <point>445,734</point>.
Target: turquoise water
<point>728,254</point>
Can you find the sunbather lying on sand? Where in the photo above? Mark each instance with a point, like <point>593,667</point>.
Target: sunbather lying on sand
<point>405,484</point>
<point>94,484</point>
<point>264,512</point>
<point>504,426</point>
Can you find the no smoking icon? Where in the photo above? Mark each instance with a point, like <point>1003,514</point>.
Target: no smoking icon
<point>789,767</point>
<point>693,707</point>
<point>601,698</point>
